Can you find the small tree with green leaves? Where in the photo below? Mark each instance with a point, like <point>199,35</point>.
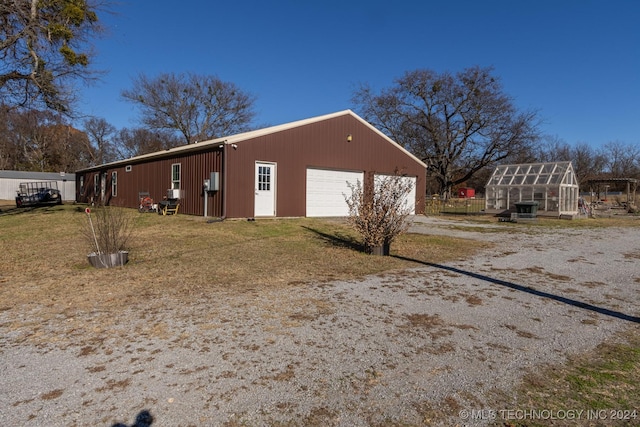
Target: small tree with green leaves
<point>380,214</point>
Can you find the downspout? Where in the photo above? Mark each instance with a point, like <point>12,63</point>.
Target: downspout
<point>224,180</point>
<point>205,190</point>
<point>223,173</point>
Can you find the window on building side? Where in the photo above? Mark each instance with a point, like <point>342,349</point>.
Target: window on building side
<point>96,184</point>
<point>175,176</point>
<point>114,184</point>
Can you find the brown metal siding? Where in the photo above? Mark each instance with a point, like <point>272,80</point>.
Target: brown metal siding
<point>323,145</point>
<point>154,177</point>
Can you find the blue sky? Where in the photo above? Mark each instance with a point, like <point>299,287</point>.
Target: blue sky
<point>576,62</point>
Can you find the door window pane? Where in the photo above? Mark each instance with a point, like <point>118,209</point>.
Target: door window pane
<point>264,178</point>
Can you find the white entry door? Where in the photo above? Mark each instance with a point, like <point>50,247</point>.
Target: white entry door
<point>265,189</point>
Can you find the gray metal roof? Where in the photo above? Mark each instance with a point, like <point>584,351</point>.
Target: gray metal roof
<point>44,176</point>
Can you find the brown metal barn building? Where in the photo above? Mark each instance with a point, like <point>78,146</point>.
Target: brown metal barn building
<point>292,170</point>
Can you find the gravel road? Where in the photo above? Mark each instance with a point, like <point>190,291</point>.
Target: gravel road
<point>416,346</point>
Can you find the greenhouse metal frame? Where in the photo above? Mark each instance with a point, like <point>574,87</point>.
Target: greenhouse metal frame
<point>553,185</point>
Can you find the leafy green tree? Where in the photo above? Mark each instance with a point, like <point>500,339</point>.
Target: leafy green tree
<point>194,106</point>
<point>44,47</point>
<point>457,124</point>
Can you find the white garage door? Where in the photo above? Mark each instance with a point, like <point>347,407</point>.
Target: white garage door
<point>326,190</point>
<point>411,197</point>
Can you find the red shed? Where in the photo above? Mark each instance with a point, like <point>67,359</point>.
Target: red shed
<point>466,193</point>
<point>291,170</point>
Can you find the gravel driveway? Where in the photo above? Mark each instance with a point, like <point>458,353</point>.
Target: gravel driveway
<point>416,346</point>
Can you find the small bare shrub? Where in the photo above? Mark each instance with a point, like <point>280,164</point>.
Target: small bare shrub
<point>108,229</point>
<point>380,215</point>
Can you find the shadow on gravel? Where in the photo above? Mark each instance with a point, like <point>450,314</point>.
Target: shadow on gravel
<point>143,419</point>
<point>521,288</point>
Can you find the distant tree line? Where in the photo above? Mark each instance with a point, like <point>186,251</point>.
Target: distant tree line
<point>461,125</point>
<point>175,110</point>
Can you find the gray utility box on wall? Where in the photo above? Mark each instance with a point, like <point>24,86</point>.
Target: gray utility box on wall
<point>214,181</point>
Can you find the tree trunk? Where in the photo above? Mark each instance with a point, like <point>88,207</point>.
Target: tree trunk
<point>381,250</point>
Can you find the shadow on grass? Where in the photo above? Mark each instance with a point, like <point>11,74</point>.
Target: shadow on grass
<point>143,419</point>
<point>526,289</point>
<point>337,239</point>
<point>14,210</point>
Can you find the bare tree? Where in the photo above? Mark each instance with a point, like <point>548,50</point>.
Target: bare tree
<point>41,141</point>
<point>68,150</point>
<point>195,106</point>
<point>457,124</point>
<point>138,141</point>
<point>44,47</point>
<point>8,147</point>
<point>100,139</point>
<point>587,162</point>
<point>623,160</point>
<point>34,140</point>
<point>553,148</point>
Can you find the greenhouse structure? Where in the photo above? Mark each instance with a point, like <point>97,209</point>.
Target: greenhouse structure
<point>552,185</point>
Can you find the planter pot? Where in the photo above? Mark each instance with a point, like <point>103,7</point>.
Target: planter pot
<point>108,260</point>
<point>381,250</point>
